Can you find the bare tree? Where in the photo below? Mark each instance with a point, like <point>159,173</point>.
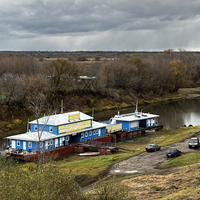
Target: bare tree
<point>38,105</point>
<point>61,73</point>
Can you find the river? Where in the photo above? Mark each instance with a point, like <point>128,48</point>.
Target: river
<point>171,114</point>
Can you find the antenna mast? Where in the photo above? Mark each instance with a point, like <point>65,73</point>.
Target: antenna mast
<point>136,110</point>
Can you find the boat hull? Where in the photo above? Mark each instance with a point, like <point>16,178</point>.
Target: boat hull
<point>90,154</point>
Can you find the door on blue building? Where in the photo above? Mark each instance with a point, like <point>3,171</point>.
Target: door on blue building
<point>13,144</point>
<point>24,145</point>
<point>46,145</point>
<point>56,142</point>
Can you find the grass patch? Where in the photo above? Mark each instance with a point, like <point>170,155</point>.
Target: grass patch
<point>186,159</point>
<point>163,137</point>
<point>171,136</point>
<point>93,166</point>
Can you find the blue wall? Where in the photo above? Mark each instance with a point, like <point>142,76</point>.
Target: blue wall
<point>36,147</point>
<point>78,137</point>
<point>143,122</point>
<point>125,125</point>
<point>73,138</point>
<point>46,128</point>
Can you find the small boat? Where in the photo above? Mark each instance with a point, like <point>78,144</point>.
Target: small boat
<point>90,154</point>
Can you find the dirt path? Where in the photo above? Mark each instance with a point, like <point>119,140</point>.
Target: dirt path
<point>147,161</point>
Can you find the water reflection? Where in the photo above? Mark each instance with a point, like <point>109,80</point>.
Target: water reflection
<point>172,114</point>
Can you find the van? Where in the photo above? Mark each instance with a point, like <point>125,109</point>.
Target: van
<point>194,142</point>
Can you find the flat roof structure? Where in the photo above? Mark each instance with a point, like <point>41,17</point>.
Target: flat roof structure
<point>60,119</point>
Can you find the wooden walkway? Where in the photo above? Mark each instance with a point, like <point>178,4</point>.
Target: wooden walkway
<point>95,145</point>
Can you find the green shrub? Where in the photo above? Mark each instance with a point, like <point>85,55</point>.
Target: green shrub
<point>49,183</point>
<point>30,166</point>
<point>113,158</point>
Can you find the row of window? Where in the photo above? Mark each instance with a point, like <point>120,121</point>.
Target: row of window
<point>36,128</point>
<point>95,132</point>
<point>49,142</point>
<point>29,143</point>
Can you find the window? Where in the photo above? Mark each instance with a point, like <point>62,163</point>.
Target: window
<point>93,132</point>
<point>90,133</point>
<point>133,124</point>
<point>52,142</point>
<point>50,129</point>
<point>152,122</point>
<point>97,131</point>
<point>67,138</point>
<point>18,143</point>
<point>82,135</point>
<point>35,127</point>
<point>30,144</point>
<point>86,134</point>
<point>48,142</point>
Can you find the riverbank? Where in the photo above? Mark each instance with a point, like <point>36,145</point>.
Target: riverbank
<point>190,92</point>
<point>104,104</point>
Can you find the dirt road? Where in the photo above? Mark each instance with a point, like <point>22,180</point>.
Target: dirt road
<point>147,161</point>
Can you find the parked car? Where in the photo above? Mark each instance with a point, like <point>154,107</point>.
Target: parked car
<point>194,142</point>
<point>173,152</point>
<point>152,147</point>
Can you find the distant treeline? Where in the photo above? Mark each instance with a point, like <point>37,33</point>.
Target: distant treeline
<point>68,54</point>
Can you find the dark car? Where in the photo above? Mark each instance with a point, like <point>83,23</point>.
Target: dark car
<point>173,153</point>
<point>194,142</point>
<point>152,147</point>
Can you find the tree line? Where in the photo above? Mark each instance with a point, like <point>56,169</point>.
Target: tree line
<point>27,79</point>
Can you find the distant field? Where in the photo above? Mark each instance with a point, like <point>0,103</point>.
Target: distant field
<point>190,92</point>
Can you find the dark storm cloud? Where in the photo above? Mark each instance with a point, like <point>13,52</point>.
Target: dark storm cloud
<point>100,20</point>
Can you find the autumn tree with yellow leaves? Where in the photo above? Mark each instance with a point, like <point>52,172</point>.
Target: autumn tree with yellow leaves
<point>179,76</point>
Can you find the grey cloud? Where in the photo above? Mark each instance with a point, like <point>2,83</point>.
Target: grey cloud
<point>101,21</point>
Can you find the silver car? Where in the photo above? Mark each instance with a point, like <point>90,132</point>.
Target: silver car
<point>194,142</point>
<point>152,147</point>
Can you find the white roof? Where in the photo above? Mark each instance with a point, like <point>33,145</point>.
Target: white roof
<point>33,136</point>
<point>59,119</point>
<point>135,116</point>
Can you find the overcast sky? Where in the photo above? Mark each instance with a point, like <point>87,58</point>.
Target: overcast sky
<point>92,25</point>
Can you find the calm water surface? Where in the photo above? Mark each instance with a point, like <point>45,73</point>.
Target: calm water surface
<point>172,114</point>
